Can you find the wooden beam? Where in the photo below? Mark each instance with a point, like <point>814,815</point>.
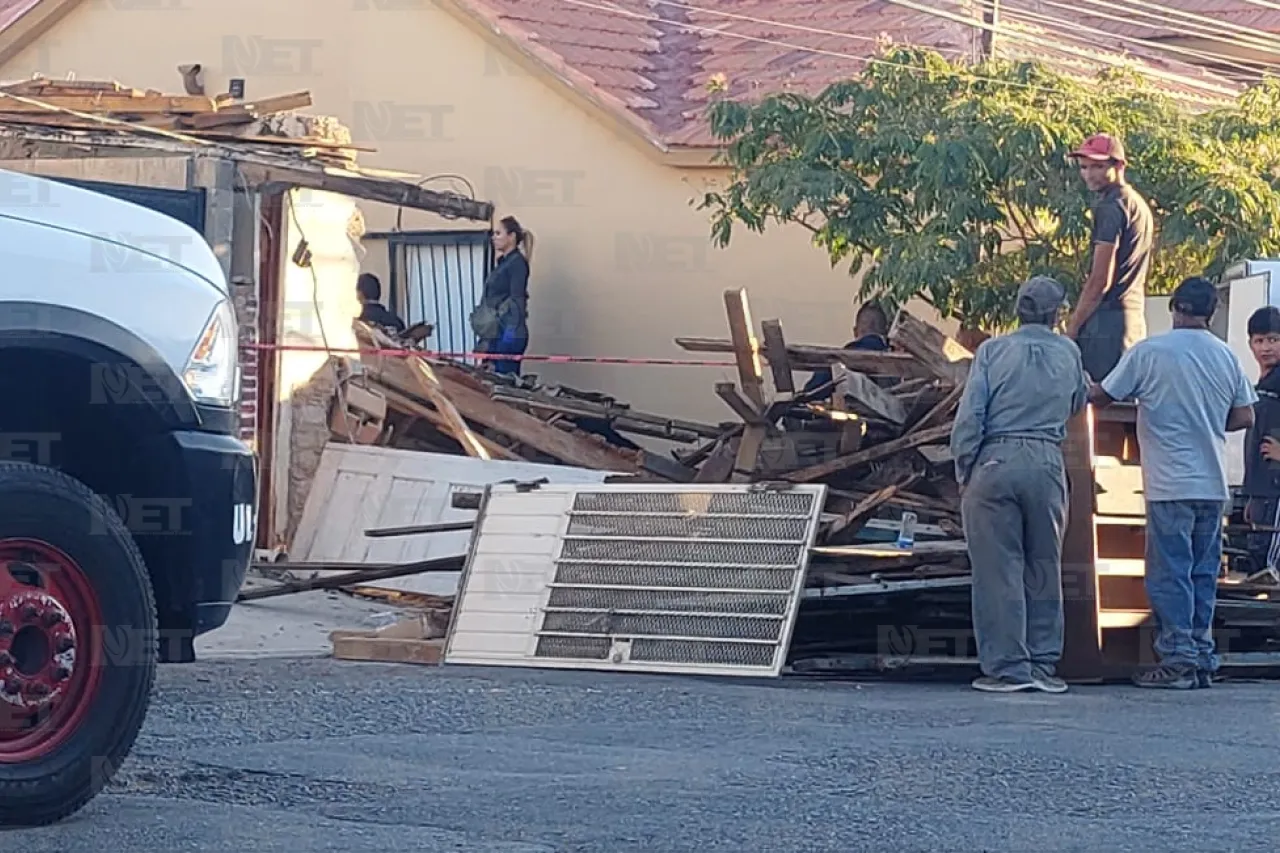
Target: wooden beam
<point>357,185</point>
<point>478,407</point>
<point>871,454</point>
<point>775,349</point>
<point>806,357</point>
<point>404,403</point>
<point>107,104</point>
<point>945,409</point>
<point>941,354</point>
<point>728,392</point>
<point>746,349</point>
<point>869,399</point>
<point>859,515</point>
<point>462,433</point>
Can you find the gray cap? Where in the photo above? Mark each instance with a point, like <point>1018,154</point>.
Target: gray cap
<point>1040,296</point>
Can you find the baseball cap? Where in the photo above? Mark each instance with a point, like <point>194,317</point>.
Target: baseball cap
<point>1100,146</point>
<point>1040,295</point>
<point>1195,297</point>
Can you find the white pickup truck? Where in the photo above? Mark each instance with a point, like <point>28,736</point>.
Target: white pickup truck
<point>127,500</point>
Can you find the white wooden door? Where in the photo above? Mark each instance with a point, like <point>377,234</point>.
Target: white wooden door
<point>357,488</point>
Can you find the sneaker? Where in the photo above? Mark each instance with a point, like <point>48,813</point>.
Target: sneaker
<point>1168,677</point>
<point>987,684</point>
<point>1046,683</point>
<point>1204,678</point>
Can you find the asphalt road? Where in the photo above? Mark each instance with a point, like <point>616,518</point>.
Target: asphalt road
<point>317,756</point>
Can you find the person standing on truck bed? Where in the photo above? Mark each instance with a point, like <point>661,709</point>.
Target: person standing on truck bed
<point>369,293</point>
<point>1191,392</point>
<point>1109,317</point>
<point>1007,445</point>
<point>501,320</point>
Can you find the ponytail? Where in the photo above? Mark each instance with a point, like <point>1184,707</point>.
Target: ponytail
<point>526,246</point>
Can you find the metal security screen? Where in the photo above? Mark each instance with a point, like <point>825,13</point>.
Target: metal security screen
<point>438,278</point>
<point>701,579</point>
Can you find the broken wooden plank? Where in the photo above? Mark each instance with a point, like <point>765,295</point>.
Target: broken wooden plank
<point>719,465</point>
<point>746,349</point>
<point>744,466</point>
<point>940,354</point>
<point>478,407</point>
<point>871,454</point>
<point>461,432</point>
<point>943,411</point>
<point>805,357</point>
<point>108,103</point>
<point>867,398</point>
<point>857,516</point>
<point>728,392</point>
<point>408,405</point>
<point>775,350</point>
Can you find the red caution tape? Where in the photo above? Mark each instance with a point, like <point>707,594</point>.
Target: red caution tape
<point>483,356</point>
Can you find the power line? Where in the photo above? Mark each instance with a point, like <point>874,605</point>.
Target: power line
<point>1220,93</point>
<point>1217,29</point>
<point>1044,20</point>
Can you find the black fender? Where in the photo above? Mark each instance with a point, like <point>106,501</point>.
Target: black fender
<point>125,370</point>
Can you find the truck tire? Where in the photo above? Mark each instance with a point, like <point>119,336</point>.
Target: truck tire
<point>78,644</point>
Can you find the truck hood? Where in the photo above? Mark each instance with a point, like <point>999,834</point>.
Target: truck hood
<point>53,204</point>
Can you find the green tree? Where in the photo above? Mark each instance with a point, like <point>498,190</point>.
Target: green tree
<point>951,183</point>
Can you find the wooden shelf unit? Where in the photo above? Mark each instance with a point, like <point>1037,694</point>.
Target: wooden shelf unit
<point>1108,633</point>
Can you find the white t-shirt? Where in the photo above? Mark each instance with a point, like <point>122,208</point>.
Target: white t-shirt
<point>1186,382</point>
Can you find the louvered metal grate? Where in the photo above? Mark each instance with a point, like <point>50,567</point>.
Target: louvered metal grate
<point>700,579</point>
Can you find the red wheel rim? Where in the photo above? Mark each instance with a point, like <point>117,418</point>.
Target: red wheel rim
<point>50,648</point>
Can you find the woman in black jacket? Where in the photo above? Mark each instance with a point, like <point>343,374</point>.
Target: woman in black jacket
<point>501,320</point>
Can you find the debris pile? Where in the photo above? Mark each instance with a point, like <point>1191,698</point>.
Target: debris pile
<point>875,434</point>
<point>104,106</point>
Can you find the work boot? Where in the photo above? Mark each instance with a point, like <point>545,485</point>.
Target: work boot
<point>1046,683</point>
<point>1168,677</point>
<point>1003,684</point>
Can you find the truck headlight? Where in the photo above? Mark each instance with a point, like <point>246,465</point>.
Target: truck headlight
<point>213,370</point>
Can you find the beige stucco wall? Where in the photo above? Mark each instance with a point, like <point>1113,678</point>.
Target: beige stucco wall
<point>622,263</point>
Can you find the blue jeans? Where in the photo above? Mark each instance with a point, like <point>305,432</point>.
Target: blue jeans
<point>504,346</point>
<point>1184,555</point>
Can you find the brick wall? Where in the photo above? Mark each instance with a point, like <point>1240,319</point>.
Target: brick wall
<point>244,297</point>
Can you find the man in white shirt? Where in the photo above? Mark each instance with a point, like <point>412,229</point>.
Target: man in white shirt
<point>1191,391</point>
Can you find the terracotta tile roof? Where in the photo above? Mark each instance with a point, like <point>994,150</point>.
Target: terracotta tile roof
<point>650,60</point>
<point>12,10</point>
<point>1155,19</point>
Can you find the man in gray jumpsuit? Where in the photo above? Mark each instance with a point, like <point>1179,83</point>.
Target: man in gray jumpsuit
<point>1007,445</point>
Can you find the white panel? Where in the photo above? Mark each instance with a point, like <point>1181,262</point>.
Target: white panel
<point>357,488</point>
<point>636,577</point>
<point>1246,296</point>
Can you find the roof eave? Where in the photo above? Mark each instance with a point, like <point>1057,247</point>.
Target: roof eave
<point>32,24</point>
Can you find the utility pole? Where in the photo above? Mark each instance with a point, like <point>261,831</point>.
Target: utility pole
<point>990,20</point>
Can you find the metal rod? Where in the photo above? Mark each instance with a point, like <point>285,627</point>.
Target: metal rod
<point>363,576</point>
<point>415,529</point>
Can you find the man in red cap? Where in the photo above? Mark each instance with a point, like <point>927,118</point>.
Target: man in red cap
<point>1110,318</point>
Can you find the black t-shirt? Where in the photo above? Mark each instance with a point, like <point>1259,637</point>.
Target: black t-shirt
<point>375,314</point>
<point>1122,217</point>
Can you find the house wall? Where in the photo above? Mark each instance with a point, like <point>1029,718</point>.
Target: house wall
<point>622,261</point>
<point>318,308</point>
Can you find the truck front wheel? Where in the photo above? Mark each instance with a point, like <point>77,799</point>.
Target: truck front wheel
<point>78,644</point>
